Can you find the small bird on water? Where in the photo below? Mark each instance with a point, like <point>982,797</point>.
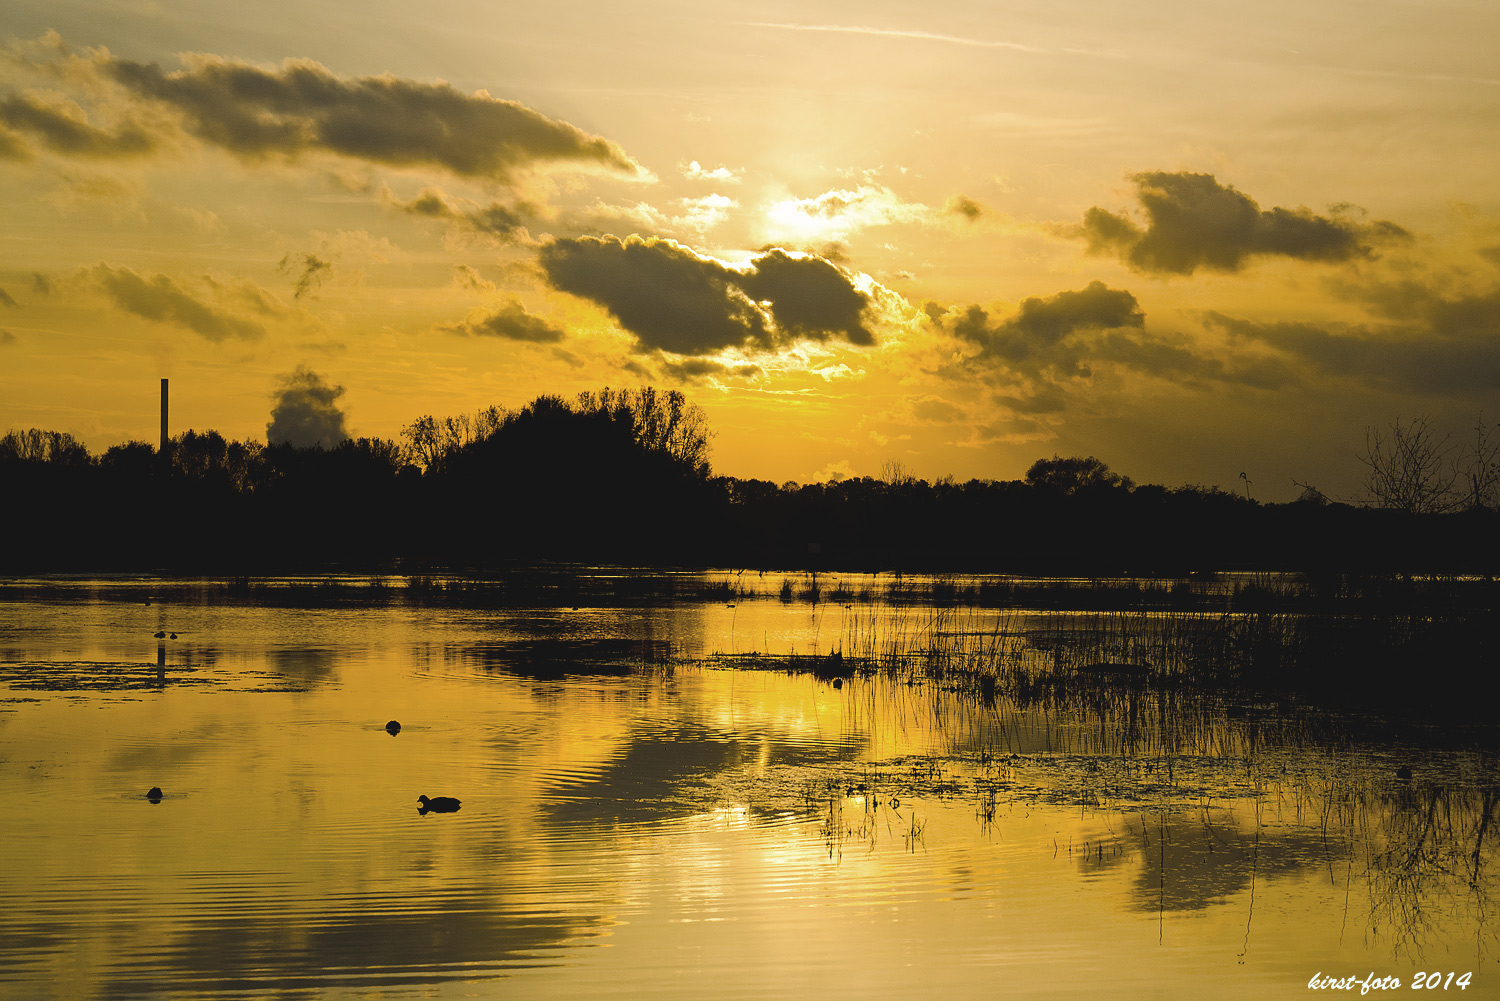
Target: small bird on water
<point>437,804</point>
<point>393,727</point>
<point>154,794</point>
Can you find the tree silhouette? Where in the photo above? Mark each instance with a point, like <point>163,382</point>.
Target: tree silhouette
<point>1410,468</point>
<point>1074,474</point>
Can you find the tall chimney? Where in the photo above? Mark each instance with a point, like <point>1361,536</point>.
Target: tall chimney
<point>164,417</point>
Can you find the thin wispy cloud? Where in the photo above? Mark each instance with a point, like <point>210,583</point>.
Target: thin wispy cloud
<point>925,36</point>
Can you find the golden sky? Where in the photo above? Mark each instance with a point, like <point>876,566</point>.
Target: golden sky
<point>1193,240</point>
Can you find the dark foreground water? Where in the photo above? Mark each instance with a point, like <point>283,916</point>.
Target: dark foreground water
<point>640,820</point>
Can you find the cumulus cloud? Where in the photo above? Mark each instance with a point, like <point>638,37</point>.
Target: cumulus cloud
<point>312,272</point>
<point>306,413</point>
<point>159,298</point>
<point>694,171</point>
<point>703,214</point>
<point>65,128</point>
<point>510,321</point>
<point>1192,222</point>
<point>673,299</point>
<point>493,220</point>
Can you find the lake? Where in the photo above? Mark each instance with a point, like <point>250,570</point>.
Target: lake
<point>684,786</point>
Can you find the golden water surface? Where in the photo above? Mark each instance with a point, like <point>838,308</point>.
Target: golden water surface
<point>641,819</point>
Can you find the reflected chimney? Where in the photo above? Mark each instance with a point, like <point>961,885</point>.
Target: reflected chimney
<point>164,417</point>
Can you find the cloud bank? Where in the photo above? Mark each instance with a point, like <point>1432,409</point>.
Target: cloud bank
<point>1432,344</point>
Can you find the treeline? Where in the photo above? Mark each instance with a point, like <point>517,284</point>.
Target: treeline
<point>624,477</point>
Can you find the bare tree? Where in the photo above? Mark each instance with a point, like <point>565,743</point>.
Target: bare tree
<point>895,474</point>
<point>1481,469</point>
<point>1410,468</point>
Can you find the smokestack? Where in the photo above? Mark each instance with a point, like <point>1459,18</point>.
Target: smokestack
<point>164,417</point>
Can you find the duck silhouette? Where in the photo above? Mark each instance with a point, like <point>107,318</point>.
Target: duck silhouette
<point>438,804</point>
<point>393,727</point>
<point>154,794</point>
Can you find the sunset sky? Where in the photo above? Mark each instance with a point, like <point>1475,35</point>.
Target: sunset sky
<point>1192,240</point>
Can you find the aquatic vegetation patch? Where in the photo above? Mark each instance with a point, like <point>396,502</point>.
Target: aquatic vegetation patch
<point>95,676</point>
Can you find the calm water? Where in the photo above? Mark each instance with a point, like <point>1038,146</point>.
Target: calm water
<point>641,820</point>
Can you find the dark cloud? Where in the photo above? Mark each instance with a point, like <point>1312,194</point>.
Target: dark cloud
<point>313,272</point>
<point>1491,254</point>
<point>6,300</point>
<point>306,412</point>
<point>1038,338</point>
<point>496,220</point>
<point>965,206</point>
<point>698,369</point>
<point>159,298</point>
<point>72,135</point>
<point>6,337</point>
<point>673,300</point>
<point>303,108</point>
<point>40,283</point>
<point>1438,345</point>
<point>663,293</point>
<point>1194,222</point>
<point>512,322</point>
<point>810,297</point>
